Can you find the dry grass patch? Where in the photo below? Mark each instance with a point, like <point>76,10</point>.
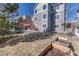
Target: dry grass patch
<point>26,48</point>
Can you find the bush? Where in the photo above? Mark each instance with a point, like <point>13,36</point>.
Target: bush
<point>5,38</point>
<point>37,35</point>
<point>4,27</point>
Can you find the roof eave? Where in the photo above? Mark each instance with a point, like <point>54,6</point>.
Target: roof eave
<point>35,6</point>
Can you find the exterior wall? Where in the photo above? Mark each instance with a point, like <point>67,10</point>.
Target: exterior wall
<point>60,21</point>
<point>51,21</point>
<point>51,18</point>
<point>39,15</point>
<point>12,17</point>
<point>77,16</point>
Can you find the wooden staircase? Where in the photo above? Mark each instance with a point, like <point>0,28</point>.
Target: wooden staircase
<point>31,25</point>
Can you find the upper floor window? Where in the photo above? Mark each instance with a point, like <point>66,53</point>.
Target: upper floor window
<point>62,24</point>
<point>44,25</point>
<point>35,11</point>
<point>44,30</point>
<point>44,7</point>
<point>35,18</point>
<point>44,15</point>
<point>56,25</point>
<point>57,16</point>
<point>57,7</point>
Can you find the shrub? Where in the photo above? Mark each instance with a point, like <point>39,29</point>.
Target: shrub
<point>5,32</point>
<point>5,38</point>
<point>37,35</point>
<point>4,27</point>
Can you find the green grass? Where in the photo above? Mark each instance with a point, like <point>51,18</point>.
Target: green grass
<point>5,38</point>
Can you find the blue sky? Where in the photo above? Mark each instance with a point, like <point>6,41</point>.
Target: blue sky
<point>72,8</point>
<point>27,9</point>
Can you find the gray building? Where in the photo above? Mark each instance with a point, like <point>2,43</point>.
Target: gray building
<point>50,17</point>
<point>13,17</point>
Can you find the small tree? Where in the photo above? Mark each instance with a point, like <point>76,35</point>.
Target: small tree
<point>11,7</point>
<point>4,27</point>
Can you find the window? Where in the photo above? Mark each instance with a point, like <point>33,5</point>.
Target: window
<point>44,25</point>
<point>56,25</point>
<point>44,15</point>
<point>25,27</point>
<point>44,30</point>
<point>35,11</point>
<point>44,7</point>
<point>57,7</point>
<point>35,18</point>
<point>57,16</point>
<point>62,24</point>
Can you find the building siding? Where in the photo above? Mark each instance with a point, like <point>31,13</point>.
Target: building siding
<point>51,21</point>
